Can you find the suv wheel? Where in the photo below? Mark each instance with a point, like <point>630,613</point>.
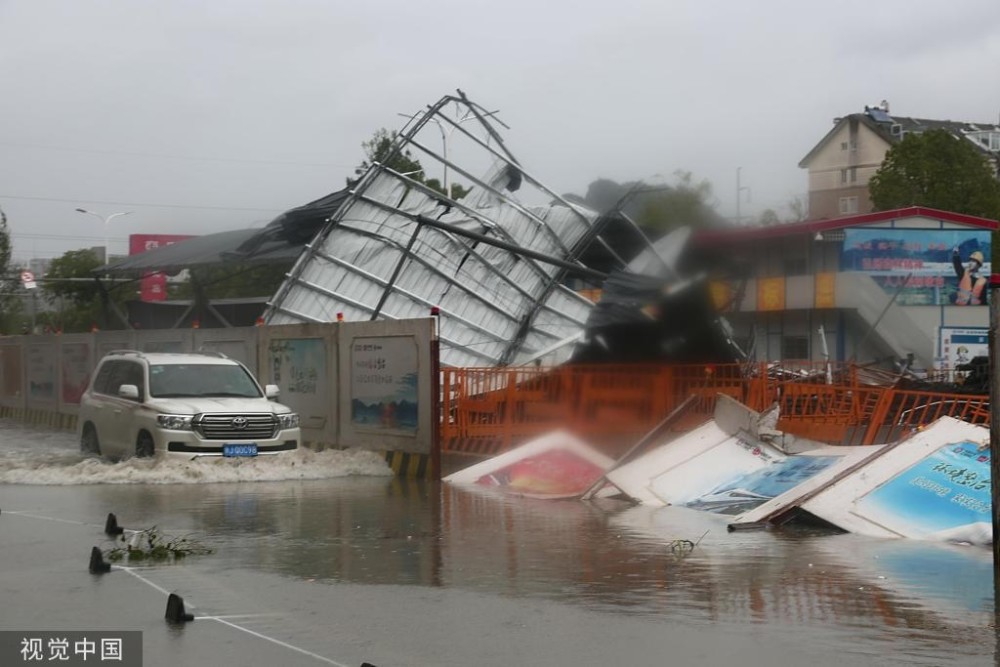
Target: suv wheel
<point>89,444</point>
<point>144,446</point>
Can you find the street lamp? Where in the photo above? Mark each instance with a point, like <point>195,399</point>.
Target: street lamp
<point>106,221</point>
<point>445,133</point>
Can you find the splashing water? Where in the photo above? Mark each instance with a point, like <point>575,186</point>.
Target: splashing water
<point>39,457</point>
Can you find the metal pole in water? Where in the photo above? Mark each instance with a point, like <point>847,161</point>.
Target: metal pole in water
<point>994,297</point>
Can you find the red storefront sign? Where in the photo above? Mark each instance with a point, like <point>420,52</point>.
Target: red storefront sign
<point>154,285</point>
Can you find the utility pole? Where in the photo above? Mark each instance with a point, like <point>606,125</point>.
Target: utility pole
<point>739,194</point>
<point>994,297</point>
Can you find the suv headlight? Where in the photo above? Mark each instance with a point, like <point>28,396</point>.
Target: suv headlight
<point>288,420</point>
<point>174,422</point>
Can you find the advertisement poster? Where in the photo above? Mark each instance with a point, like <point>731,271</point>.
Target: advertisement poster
<point>825,290</point>
<point>41,372</point>
<point>756,488</point>
<point>75,371</point>
<point>298,367</point>
<point>960,345</point>
<point>927,267</point>
<point>556,473</point>
<point>154,285</point>
<point>384,383</point>
<point>945,496</point>
<point>771,294</point>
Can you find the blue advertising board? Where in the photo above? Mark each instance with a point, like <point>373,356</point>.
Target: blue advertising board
<point>755,488</point>
<point>924,266</point>
<point>945,495</point>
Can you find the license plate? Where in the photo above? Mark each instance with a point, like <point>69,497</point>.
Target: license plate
<point>239,450</point>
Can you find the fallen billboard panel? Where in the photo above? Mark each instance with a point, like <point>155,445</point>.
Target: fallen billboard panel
<point>556,465</point>
<point>733,465</point>
<point>934,485</point>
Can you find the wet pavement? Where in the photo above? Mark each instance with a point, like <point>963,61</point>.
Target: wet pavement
<point>326,559</point>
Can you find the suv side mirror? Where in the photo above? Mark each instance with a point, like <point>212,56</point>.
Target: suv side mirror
<point>271,391</point>
<point>129,391</point>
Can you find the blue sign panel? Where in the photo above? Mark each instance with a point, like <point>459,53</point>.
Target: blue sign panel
<point>946,495</point>
<point>753,489</point>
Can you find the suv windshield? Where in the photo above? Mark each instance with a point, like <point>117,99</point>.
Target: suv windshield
<point>183,380</point>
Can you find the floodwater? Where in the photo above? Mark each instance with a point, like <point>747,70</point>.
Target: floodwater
<point>325,558</point>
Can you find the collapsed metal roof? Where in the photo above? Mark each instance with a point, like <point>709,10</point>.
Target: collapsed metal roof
<point>493,261</point>
<point>280,241</point>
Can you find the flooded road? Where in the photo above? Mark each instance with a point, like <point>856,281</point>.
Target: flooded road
<point>324,558</point>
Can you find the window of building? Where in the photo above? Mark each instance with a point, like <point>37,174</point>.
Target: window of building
<point>989,140</point>
<point>794,347</point>
<point>849,175</point>
<point>843,145</point>
<point>848,205</point>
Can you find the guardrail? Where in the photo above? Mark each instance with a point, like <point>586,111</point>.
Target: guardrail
<point>489,410</point>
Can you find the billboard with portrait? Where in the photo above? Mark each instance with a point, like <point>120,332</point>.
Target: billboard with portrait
<point>922,267</point>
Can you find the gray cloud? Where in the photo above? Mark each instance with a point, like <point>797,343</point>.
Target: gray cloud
<point>253,107</point>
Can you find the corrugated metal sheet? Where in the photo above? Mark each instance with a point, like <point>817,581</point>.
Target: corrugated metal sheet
<point>379,257</point>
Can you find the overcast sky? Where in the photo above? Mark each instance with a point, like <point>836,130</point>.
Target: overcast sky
<point>205,116</point>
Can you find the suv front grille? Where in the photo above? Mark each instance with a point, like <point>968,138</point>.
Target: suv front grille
<point>235,426</point>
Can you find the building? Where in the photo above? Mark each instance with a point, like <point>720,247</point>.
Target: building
<point>844,160</point>
<point>872,287</point>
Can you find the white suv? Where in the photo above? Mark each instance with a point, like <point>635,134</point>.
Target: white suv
<point>140,404</point>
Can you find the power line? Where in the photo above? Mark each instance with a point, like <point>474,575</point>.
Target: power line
<point>61,237</point>
<point>132,203</point>
<point>193,158</point>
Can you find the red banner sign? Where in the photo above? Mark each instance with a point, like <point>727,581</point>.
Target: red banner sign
<point>154,285</point>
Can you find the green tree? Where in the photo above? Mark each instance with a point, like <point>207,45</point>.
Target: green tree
<point>656,209</point>
<point>10,303</point>
<point>686,203</point>
<point>768,218</point>
<point>938,170</point>
<point>71,288</point>
<point>798,209</point>
<point>233,281</point>
<point>379,149</point>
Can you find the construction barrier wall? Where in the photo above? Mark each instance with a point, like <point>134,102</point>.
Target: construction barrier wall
<point>340,378</point>
<point>355,384</point>
<point>358,384</point>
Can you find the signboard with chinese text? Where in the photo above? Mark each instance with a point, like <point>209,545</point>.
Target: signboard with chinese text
<point>384,383</point>
<point>960,345</point>
<point>299,367</point>
<point>944,496</point>
<point>924,266</point>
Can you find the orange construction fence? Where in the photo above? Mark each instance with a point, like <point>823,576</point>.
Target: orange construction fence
<point>485,411</point>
